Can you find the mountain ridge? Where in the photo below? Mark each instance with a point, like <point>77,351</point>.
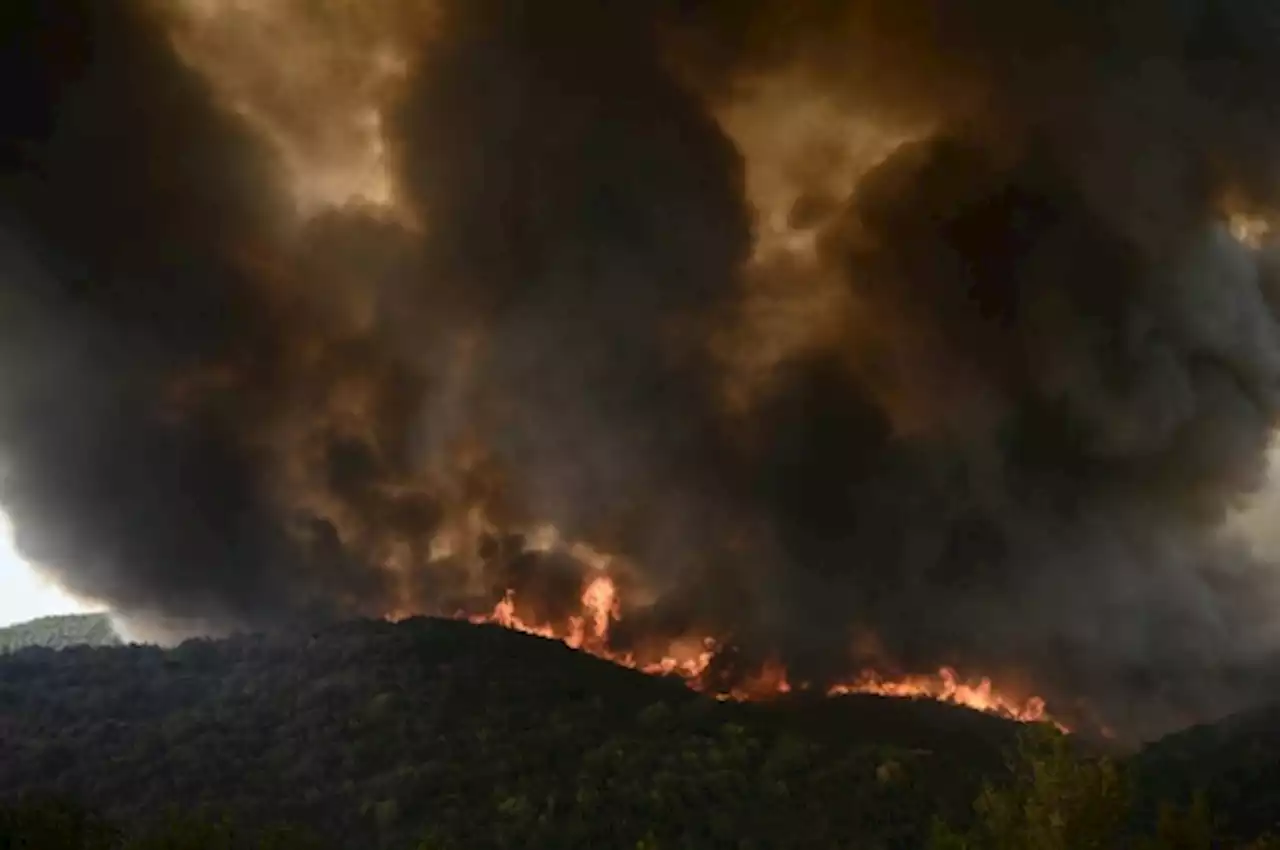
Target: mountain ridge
<point>60,630</point>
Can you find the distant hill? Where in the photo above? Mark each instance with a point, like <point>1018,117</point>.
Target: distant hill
<point>377,734</point>
<point>60,632</point>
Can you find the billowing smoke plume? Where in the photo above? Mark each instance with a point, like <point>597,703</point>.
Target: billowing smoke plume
<point>882,333</point>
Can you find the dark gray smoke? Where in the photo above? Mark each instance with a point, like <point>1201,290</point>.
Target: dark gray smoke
<point>1059,376</point>
<point>586,213</point>
<point>128,200</point>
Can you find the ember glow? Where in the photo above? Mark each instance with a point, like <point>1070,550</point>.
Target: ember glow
<point>691,658</point>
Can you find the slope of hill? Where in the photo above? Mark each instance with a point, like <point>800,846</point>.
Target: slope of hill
<point>59,632</point>
<point>1235,763</point>
<point>378,734</point>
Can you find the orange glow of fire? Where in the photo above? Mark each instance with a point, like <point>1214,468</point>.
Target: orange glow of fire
<point>689,659</point>
<point>946,686</point>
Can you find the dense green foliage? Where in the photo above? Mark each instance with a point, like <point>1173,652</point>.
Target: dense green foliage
<point>1059,799</point>
<point>60,632</point>
<point>50,824</point>
<point>447,736</point>
<point>1235,763</point>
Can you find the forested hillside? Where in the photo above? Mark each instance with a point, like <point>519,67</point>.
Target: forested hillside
<point>59,632</point>
<point>476,735</point>
<point>391,735</point>
<point>1235,763</point>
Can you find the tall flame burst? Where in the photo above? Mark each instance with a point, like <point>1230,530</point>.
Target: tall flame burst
<point>692,658</point>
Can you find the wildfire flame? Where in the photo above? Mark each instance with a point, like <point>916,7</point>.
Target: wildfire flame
<point>690,659</point>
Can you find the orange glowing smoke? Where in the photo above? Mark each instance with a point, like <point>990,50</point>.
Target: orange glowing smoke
<point>690,659</point>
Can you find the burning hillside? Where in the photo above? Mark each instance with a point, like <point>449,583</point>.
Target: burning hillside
<point>585,610</point>
<point>691,659</point>
<point>567,593</point>
<point>903,337</point>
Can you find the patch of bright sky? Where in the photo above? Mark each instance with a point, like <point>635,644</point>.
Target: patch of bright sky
<point>24,593</point>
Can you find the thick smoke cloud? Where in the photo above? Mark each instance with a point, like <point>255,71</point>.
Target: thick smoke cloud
<point>1046,372</point>
<point>1063,369</point>
<point>128,197</point>
<point>585,214</point>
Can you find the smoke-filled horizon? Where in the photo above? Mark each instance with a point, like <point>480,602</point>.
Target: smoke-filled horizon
<point>902,334</point>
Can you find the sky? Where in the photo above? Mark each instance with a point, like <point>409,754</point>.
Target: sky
<point>24,594</point>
